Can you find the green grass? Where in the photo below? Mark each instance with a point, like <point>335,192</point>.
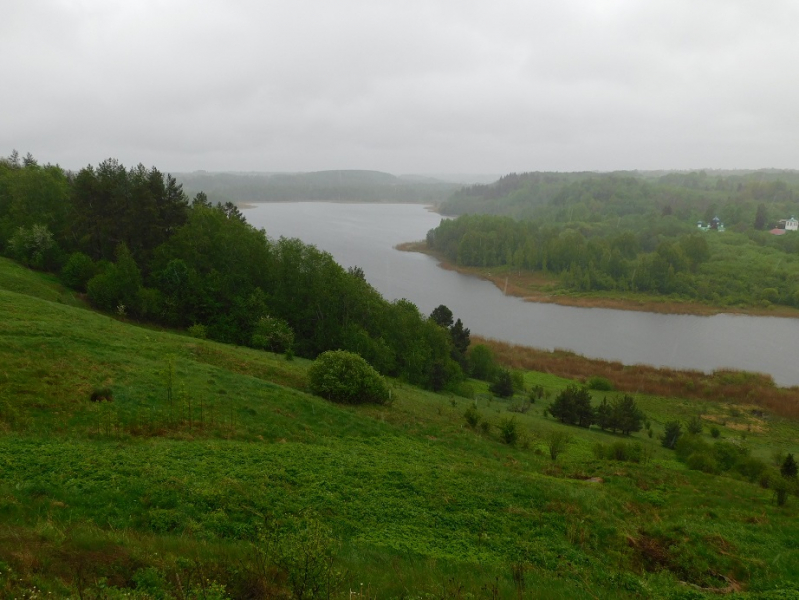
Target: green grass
<point>150,495</point>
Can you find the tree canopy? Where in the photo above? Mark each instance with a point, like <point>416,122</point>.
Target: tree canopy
<point>131,238</point>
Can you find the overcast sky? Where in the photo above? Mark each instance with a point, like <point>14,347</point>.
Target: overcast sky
<point>404,86</point>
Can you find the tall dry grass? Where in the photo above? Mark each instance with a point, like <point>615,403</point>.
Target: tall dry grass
<point>722,385</point>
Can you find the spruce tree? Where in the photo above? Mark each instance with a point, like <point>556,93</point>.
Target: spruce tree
<point>789,467</point>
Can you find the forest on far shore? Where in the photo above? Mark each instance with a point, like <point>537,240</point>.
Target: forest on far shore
<point>717,238</point>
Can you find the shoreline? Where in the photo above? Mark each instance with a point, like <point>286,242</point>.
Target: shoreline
<point>537,287</point>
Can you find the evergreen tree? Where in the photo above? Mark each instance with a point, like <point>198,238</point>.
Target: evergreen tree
<point>573,407</point>
<point>442,316</point>
<point>671,433</point>
<point>503,384</point>
<point>460,337</point>
<point>604,415</point>
<point>626,416</point>
<point>789,467</point>
<point>694,425</point>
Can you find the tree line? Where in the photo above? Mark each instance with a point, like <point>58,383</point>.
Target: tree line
<point>651,260</point>
<point>134,242</point>
<point>743,200</point>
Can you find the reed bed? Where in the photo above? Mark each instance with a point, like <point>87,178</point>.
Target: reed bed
<point>723,385</point>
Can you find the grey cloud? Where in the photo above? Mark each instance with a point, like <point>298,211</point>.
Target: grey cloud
<point>401,86</point>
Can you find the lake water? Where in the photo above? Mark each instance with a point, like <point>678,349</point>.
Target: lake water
<point>365,235</point>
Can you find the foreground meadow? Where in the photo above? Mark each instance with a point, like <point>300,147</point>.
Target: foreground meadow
<point>206,471</point>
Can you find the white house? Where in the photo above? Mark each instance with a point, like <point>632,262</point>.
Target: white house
<point>792,224</point>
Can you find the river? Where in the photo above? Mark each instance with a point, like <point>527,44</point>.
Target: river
<point>365,235</point>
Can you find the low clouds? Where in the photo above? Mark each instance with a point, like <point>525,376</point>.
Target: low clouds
<point>425,86</point>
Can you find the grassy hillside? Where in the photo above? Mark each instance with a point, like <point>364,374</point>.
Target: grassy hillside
<point>212,473</point>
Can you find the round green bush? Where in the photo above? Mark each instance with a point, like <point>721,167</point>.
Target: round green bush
<point>602,384</point>
<point>700,461</point>
<point>347,378</point>
<point>78,271</point>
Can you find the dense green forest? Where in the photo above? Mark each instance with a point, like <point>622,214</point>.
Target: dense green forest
<point>328,186</point>
<point>628,232</point>
<point>137,246</point>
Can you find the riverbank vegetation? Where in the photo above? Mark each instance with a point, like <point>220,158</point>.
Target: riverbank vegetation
<point>150,464</point>
<point>632,238</point>
<point>755,389</point>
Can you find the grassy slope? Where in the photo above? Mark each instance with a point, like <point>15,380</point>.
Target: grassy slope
<point>420,505</point>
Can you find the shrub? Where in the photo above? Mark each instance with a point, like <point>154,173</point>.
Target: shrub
<point>472,416</point>
<point>789,468</point>
<point>536,393</point>
<point>508,431</point>
<point>78,270</point>
<point>750,467</point>
<point>273,334</point>
<point>517,378</point>
<point>503,384</point>
<point>520,407</point>
<point>694,425</point>
<point>621,451</point>
<point>100,394</point>
<point>347,378</point>
<point>35,248</point>
<point>481,362</point>
<point>690,444</point>
<point>702,461</point>
<point>118,285</point>
<point>727,455</point>
<point>198,331</point>
<point>714,432</point>
<point>602,384</point>
<point>780,487</point>
<point>463,389</point>
<point>557,442</point>
<point>671,434</point>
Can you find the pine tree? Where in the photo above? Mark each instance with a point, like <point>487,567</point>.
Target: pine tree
<point>573,406</point>
<point>626,416</point>
<point>671,433</point>
<point>603,415</point>
<point>789,467</point>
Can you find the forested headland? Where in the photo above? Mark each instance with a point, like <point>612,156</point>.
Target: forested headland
<point>715,238</point>
<point>137,246</point>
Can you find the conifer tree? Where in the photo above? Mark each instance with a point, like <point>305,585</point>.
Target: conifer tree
<point>789,467</point>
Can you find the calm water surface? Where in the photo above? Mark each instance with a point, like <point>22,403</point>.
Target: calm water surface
<point>365,235</point>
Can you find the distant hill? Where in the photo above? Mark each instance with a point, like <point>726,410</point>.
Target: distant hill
<point>730,194</point>
<point>329,186</point>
